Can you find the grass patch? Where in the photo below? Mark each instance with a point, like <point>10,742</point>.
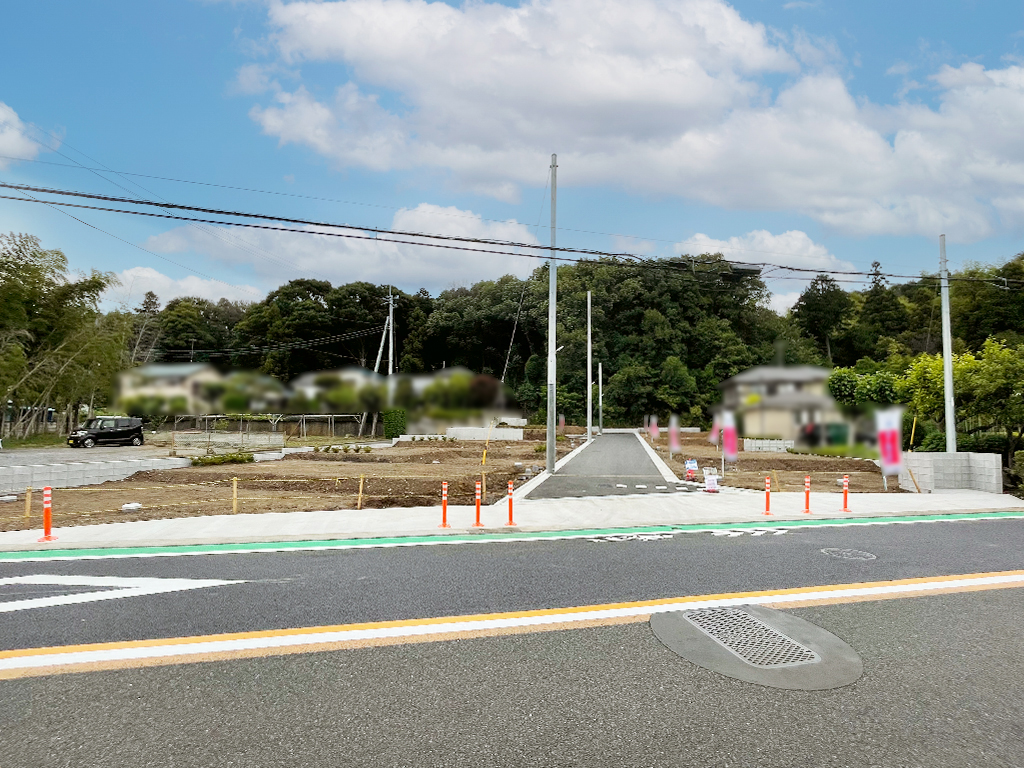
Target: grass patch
<point>840,451</point>
<point>48,440</point>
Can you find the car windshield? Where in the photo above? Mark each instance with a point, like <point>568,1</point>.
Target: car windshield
<point>99,424</point>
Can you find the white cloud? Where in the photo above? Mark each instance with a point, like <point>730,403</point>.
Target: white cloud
<point>656,96</point>
<point>14,140</point>
<point>134,283</point>
<point>276,257</point>
<point>789,249</point>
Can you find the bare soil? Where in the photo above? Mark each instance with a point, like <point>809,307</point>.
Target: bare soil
<point>410,474</point>
<point>786,470</point>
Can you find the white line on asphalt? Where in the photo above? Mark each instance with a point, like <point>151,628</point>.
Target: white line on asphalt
<point>115,588</point>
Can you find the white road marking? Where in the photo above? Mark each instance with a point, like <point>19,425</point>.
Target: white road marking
<point>116,588</point>
<point>642,486</point>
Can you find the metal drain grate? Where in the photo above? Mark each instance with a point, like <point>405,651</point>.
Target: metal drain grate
<point>750,638</point>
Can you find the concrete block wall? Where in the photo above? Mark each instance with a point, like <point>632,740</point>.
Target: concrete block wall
<point>77,473</point>
<point>482,433</point>
<point>949,471</point>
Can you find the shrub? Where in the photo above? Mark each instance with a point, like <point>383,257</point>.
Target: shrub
<point>394,422</point>
<point>224,458</point>
<point>936,441</point>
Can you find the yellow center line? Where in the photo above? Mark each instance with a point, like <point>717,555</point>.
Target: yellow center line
<point>95,656</point>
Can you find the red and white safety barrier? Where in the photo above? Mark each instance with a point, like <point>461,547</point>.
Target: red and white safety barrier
<point>767,495</point>
<point>47,516</point>
<point>846,493</point>
<point>444,505</point>
<point>478,524</point>
<point>807,495</point>
<point>511,487</point>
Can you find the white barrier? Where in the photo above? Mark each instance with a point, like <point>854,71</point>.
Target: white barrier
<point>74,474</point>
<point>767,446</point>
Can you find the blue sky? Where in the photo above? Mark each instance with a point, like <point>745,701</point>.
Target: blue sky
<point>816,134</point>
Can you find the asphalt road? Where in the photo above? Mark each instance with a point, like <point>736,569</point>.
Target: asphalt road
<point>615,464</point>
<point>941,683</point>
<point>20,457</point>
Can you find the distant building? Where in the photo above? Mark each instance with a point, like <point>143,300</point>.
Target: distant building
<point>178,387</point>
<point>786,402</point>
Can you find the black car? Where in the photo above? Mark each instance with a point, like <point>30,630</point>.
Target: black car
<point>107,430</point>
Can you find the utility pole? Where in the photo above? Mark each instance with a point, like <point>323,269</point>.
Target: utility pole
<point>552,295</point>
<point>376,368</point>
<point>600,399</point>
<point>947,351</point>
<point>391,334</point>
<point>590,376</point>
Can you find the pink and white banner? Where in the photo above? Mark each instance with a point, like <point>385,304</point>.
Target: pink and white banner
<point>674,445</point>
<point>730,441</point>
<point>653,429</point>
<point>889,423</point>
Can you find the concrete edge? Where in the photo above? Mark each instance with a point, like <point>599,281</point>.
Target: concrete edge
<point>663,468</point>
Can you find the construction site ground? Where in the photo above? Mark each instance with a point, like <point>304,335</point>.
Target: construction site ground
<point>407,475</point>
<point>786,470</point>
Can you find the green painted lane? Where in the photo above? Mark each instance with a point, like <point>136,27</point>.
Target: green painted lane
<point>475,538</point>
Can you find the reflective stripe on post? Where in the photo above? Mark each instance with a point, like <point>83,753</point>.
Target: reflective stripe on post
<point>478,524</point>
<point>511,486</point>
<point>444,505</point>
<point>47,516</point>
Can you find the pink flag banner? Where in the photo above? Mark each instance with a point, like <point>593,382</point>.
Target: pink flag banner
<point>674,445</point>
<point>889,423</point>
<point>716,427</point>
<point>730,442</point>
<point>654,428</point>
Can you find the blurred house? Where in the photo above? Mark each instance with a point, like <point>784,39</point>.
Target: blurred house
<point>171,387</point>
<point>786,402</point>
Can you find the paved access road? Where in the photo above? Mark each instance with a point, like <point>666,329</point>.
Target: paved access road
<point>21,457</point>
<point>613,464</point>
<point>940,688</point>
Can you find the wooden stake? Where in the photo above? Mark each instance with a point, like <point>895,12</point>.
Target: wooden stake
<point>234,495</point>
<point>359,501</point>
<point>28,502</point>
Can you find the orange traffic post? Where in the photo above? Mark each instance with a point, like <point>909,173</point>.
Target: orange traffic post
<point>846,493</point>
<point>767,495</point>
<point>807,495</point>
<point>444,505</point>
<point>47,516</point>
<point>511,486</point>
<point>478,524</point>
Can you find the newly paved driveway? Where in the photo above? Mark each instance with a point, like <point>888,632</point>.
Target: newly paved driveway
<point>614,464</point>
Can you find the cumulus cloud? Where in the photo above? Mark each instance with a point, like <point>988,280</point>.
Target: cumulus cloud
<point>14,140</point>
<point>276,257</point>
<point>789,249</point>
<point>134,283</point>
<point>652,96</point>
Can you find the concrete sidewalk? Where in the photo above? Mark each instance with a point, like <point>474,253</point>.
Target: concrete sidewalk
<point>530,515</point>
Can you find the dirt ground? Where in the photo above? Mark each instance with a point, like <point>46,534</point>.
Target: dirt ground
<point>410,474</point>
<point>787,470</point>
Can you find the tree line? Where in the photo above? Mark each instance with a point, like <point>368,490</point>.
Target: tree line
<point>667,332</point>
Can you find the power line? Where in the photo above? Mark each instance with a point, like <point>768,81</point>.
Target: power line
<point>299,344</point>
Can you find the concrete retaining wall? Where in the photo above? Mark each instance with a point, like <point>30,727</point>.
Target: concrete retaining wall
<point>73,474</point>
<point>482,433</point>
<point>947,471</point>
<point>771,446</point>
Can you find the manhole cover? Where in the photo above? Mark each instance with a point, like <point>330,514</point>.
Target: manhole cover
<point>759,645</point>
<point>750,638</point>
<point>847,554</point>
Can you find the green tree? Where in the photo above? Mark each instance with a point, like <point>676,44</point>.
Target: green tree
<point>821,310</point>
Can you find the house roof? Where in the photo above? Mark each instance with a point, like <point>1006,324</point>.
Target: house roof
<point>169,370</point>
<point>774,374</point>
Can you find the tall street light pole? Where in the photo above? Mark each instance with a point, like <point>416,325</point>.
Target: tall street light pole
<point>552,295</point>
<point>590,376</point>
<point>947,351</point>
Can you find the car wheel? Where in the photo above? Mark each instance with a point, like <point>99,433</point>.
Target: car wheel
<point>136,440</point>
<point>88,442</point>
